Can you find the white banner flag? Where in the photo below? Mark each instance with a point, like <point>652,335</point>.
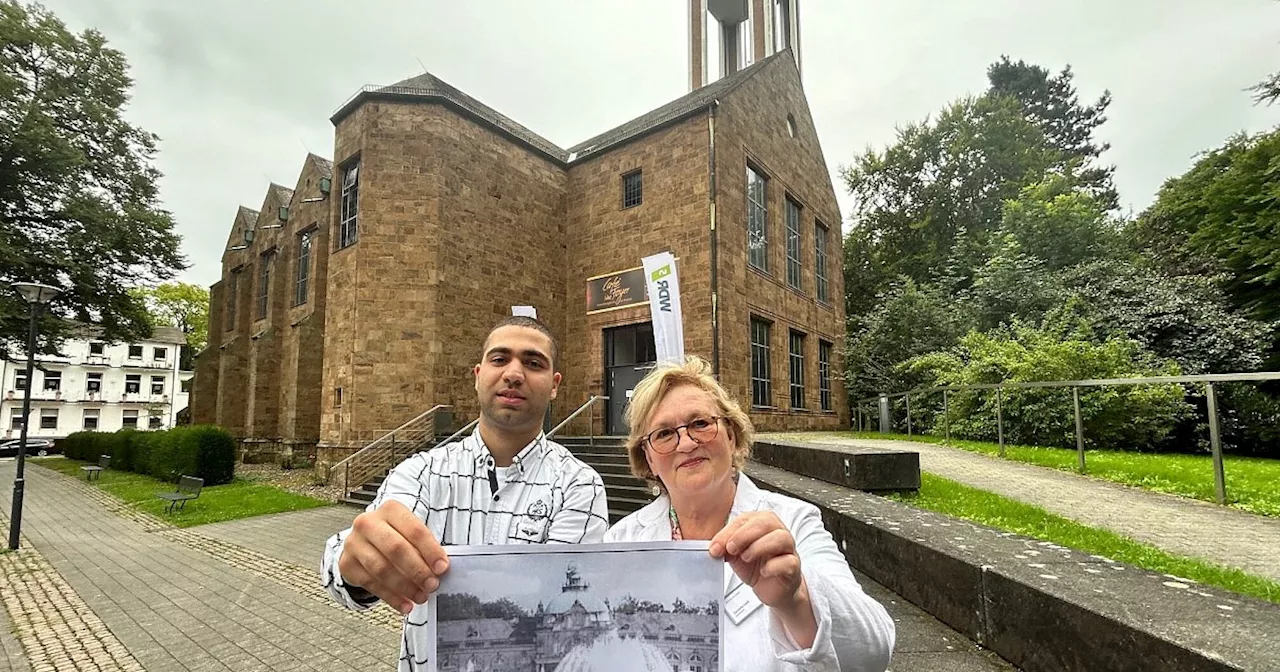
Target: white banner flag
<point>526,311</point>
<point>664,305</point>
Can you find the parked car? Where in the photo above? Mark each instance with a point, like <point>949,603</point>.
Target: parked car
<point>35,447</point>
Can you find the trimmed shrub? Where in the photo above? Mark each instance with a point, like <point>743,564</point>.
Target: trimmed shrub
<point>203,451</point>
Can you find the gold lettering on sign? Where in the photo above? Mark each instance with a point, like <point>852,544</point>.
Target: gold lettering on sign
<point>615,292</point>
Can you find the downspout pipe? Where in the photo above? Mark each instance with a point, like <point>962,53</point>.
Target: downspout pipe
<point>715,238</point>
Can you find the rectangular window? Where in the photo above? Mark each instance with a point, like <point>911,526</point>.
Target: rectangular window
<point>824,375</point>
<point>337,397</point>
<point>93,383</point>
<point>761,382</point>
<point>632,189</point>
<point>160,354</point>
<point>52,381</point>
<point>186,384</point>
<point>781,24</point>
<point>20,380</point>
<point>155,420</point>
<point>97,348</point>
<point>132,383</point>
<point>304,268</point>
<point>820,235</point>
<point>157,384</point>
<point>797,369</point>
<point>129,419</point>
<point>264,284</point>
<point>15,422</point>
<point>757,221</point>
<point>793,244</point>
<point>48,418</point>
<point>135,352</point>
<point>90,419</point>
<point>348,231</point>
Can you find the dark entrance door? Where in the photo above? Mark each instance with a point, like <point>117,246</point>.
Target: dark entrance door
<point>629,353</point>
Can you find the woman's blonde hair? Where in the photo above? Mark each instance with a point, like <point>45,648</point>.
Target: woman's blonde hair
<point>695,372</point>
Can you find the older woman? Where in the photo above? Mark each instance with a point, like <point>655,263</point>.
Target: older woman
<point>790,599</point>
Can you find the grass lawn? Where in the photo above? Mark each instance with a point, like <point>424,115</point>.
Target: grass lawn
<point>951,498</point>
<point>1252,482</point>
<point>231,501</point>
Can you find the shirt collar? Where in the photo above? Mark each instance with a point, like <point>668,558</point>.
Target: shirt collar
<point>527,455</point>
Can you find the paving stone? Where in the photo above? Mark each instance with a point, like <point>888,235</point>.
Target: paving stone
<point>169,594</point>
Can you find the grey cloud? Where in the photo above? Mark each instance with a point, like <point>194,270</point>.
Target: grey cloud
<point>238,90</point>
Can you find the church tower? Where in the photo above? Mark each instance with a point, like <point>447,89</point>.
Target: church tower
<point>748,31</point>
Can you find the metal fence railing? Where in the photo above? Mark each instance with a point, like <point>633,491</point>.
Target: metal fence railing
<point>880,407</point>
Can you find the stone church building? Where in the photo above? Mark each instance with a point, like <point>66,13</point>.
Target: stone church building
<point>359,298</point>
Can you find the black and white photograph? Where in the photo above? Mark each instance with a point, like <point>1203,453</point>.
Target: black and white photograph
<point>635,607</point>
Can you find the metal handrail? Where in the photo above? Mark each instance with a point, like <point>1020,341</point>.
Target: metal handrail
<point>1100,382</point>
<point>373,443</point>
<point>453,437</point>
<point>594,398</point>
<point>1208,379</point>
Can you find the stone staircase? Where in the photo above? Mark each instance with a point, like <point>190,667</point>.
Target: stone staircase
<point>607,455</point>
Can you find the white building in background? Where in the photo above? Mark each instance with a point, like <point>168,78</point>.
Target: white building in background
<point>98,386</point>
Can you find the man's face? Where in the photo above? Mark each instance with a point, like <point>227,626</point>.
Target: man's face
<point>514,379</point>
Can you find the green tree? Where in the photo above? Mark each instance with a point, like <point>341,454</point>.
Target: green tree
<point>911,320</point>
<point>1223,216</point>
<point>181,305</point>
<point>1051,102</point>
<point>1268,90</point>
<point>940,181</point>
<point>1126,417</point>
<point>78,196</point>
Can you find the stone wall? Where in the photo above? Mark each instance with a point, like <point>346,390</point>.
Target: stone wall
<point>752,129</point>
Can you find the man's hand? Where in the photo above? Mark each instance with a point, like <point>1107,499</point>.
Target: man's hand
<point>392,554</point>
<point>762,552</point>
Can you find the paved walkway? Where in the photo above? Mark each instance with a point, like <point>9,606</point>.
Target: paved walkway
<point>179,601</point>
<point>243,595</point>
<point>1178,525</point>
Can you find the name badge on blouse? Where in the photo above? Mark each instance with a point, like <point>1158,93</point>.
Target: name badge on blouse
<point>740,602</point>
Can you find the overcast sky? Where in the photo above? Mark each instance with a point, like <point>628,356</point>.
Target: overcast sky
<point>239,90</point>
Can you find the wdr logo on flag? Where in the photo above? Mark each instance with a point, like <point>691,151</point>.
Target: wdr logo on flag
<point>661,273</point>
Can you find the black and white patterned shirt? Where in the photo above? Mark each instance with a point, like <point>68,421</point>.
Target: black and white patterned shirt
<point>548,497</point>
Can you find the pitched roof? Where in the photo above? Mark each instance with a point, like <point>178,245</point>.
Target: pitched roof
<point>285,194</point>
<point>248,213</point>
<point>323,166</point>
<point>428,87</point>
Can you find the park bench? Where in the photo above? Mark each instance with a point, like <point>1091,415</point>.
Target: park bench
<point>90,472</point>
<point>188,489</point>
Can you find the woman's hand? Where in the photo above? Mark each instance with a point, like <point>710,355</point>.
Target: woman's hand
<point>762,552</point>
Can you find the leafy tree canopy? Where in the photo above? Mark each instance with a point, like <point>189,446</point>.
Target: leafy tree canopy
<point>78,199</point>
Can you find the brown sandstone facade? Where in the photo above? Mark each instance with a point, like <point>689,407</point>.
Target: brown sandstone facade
<point>461,213</point>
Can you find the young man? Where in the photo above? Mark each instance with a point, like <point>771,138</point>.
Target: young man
<point>506,483</point>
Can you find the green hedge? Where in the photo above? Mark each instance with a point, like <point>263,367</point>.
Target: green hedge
<point>203,451</point>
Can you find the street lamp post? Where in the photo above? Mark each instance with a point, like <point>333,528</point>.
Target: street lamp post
<point>36,295</point>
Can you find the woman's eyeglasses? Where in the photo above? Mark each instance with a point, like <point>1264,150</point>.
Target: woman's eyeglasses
<point>699,430</point>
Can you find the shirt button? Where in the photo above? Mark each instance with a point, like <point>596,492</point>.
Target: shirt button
<point>495,498</point>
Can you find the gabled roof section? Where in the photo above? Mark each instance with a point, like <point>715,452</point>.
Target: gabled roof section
<point>671,112</point>
<point>247,213</point>
<point>284,194</point>
<point>429,88</point>
<point>246,218</point>
<point>323,166</point>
